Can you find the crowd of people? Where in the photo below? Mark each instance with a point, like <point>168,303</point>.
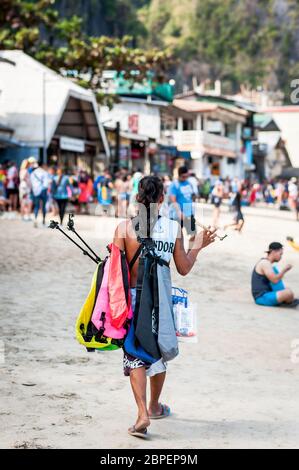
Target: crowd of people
<point>278,193</point>
<point>36,187</point>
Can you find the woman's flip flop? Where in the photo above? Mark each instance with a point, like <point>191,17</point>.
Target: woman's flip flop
<point>165,412</point>
<point>138,432</point>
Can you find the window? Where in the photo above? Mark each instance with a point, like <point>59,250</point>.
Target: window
<point>187,125</point>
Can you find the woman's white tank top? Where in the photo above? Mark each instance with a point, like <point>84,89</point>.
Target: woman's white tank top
<point>164,235</point>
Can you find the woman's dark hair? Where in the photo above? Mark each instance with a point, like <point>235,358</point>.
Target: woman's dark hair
<point>150,190</point>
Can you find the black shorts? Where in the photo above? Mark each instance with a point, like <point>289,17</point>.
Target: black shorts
<point>11,191</point>
<point>216,201</point>
<point>239,216</point>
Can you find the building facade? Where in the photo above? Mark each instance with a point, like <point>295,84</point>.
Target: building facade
<point>133,127</point>
<point>55,120</point>
<point>207,136</point>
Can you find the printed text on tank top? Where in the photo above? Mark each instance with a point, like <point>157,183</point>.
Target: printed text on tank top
<point>164,236</point>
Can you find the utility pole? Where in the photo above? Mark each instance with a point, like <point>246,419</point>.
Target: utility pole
<point>117,146</point>
<point>44,159</point>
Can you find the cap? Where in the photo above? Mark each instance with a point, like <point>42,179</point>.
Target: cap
<point>32,160</point>
<point>274,246</point>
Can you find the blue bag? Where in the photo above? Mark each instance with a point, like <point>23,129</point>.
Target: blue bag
<point>139,352</point>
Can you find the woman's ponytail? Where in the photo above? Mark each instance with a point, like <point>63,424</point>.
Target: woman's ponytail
<point>150,191</point>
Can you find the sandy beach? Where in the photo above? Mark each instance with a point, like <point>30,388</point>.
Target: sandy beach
<point>237,387</point>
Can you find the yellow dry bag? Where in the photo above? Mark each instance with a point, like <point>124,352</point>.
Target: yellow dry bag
<point>85,333</point>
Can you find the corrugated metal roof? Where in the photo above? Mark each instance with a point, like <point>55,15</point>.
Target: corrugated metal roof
<point>206,106</point>
<point>222,100</point>
<point>194,106</point>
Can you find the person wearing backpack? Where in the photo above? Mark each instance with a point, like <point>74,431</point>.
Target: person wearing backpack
<point>166,236</point>
<point>39,179</point>
<point>103,187</point>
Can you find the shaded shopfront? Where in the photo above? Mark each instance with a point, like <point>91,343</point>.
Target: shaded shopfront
<point>77,141</point>
<point>128,150</point>
<point>168,159</point>
<point>55,119</point>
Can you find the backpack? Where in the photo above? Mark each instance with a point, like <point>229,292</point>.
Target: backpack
<point>104,193</point>
<point>152,332</point>
<point>104,319</point>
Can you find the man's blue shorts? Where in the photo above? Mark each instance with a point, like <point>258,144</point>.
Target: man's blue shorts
<point>269,299</point>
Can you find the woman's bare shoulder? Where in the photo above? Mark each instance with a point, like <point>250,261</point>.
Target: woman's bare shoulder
<point>125,229</point>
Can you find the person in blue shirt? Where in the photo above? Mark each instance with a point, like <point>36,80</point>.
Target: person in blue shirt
<point>181,196</point>
<point>61,190</point>
<point>103,187</point>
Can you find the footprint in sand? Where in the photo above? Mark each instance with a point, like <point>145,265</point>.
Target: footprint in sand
<point>29,445</point>
<point>64,396</point>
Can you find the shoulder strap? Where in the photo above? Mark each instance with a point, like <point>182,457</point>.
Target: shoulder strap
<point>139,249</point>
<point>58,183</point>
<point>36,177</point>
<point>144,244</point>
<point>136,255</point>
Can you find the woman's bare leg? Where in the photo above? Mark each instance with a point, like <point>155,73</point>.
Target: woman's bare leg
<point>138,384</point>
<point>240,225</point>
<point>157,382</point>
<point>216,215</point>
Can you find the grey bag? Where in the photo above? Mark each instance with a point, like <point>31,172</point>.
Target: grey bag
<point>167,338</point>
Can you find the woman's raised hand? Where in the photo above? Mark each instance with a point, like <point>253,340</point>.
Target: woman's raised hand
<point>204,238</point>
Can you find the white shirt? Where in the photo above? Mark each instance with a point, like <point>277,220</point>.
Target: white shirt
<point>293,190</point>
<point>164,235</point>
<point>12,173</point>
<point>39,181</point>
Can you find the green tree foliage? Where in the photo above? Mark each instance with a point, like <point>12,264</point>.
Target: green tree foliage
<point>252,42</point>
<point>237,39</point>
<point>20,22</point>
<point>36,28</point>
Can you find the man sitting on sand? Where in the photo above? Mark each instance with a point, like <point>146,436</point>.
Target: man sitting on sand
<point>267,286</point>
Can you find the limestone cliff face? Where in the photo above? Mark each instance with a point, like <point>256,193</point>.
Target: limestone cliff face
<point>104,17</point>
<point>91,11</point>
<point>237,41</point>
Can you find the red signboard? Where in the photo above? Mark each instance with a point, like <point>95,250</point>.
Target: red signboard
<point>135,153</point>
<point>133,123</point>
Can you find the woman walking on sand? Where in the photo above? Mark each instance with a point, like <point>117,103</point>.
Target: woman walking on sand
<point>168,239</point>
<point>12,186</point>
<point>217,196</point>
<point>25,191</point>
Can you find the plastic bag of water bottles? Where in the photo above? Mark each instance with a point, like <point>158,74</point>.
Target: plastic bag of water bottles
<point>184,316</point>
